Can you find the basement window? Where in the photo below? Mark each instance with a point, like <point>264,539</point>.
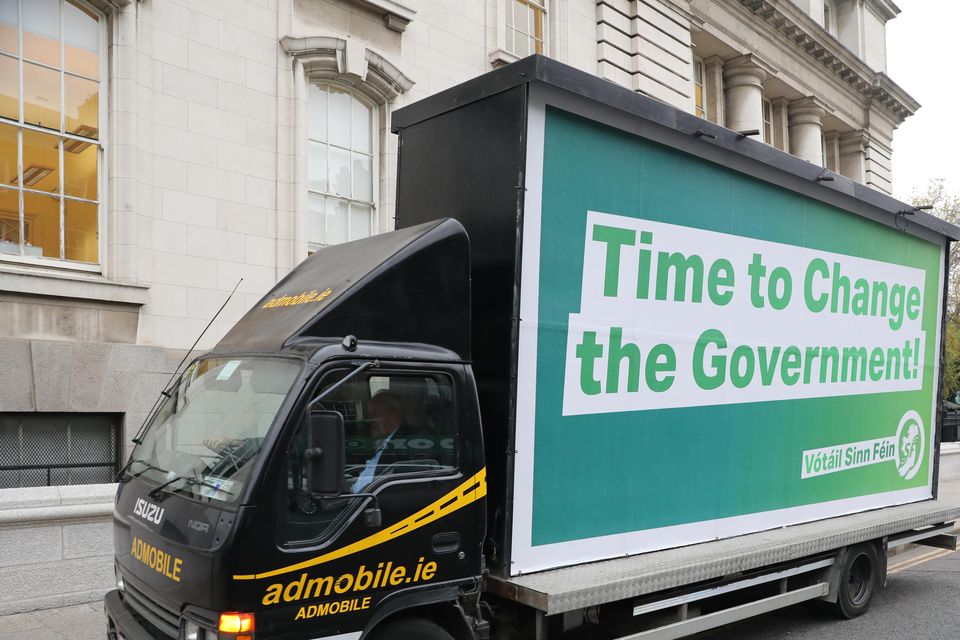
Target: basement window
<point>55,449</point>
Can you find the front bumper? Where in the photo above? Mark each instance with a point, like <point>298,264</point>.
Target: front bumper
<point>121,625</point>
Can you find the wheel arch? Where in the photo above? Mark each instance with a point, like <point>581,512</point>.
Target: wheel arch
<point>438,604</point>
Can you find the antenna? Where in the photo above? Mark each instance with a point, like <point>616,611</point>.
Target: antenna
<point>165,393</point>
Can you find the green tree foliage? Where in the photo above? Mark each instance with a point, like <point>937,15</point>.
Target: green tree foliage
<point>947,206</point>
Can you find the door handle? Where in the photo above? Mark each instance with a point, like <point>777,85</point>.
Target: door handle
<point>446,542</point>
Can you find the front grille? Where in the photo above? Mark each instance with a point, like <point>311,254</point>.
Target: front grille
<point>164,620</point>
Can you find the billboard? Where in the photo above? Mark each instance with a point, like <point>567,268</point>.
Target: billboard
<point>705,354</point>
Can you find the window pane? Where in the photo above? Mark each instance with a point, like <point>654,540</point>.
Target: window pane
<point>361,124</point>
<point>41,31</point>
<point>362,179</point>
<point>339,120</point>
<point>509,13</point>
<point>9,223</point>
<point>80,231</point>
<point>81,41</point>
<point>9,88</point>
<point>315,219</point>
<point>41,159</point>
<point>41,216</point>
<point>339,171</point>
<point>317,107</point>
<point>8,154</point>
<point>336,221</point>
<point>521,46</point>
<point>8,26</point>
<point>360,221</point>
<point>82,106</point>
<point>41,96</point>
<point>317,167</point>
<point>80,169</point>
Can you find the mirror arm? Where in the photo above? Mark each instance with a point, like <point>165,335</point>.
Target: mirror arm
<point>370,364</point>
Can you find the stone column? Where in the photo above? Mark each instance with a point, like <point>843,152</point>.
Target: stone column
<point>806,142</point>
<point>743,88</point>
<point>781,124</point>
<point>713,85</point>
<point>853,155</point>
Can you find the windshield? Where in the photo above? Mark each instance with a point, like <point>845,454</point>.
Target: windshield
<point>206,436</point>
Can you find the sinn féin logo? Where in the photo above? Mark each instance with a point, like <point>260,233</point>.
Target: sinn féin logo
<point>909,445</point>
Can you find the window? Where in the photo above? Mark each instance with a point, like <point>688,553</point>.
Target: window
<point>342,166</point>
<point>396,424</point>
<point>525,31</point>
<point>53,449</point>
<point>767,121</point>
<point>829,17</point>
<point>699,95</point>
<point>208,433</point>
<point>51,118</point>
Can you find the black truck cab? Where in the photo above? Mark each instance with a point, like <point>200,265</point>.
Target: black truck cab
<point>297,484</point>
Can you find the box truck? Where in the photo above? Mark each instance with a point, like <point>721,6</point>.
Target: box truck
<point>619,371</point>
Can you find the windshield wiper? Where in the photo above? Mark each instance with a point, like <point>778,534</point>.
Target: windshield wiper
<point>123,476</point>
<point>158,492</point>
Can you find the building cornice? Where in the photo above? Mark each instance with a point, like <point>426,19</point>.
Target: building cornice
<point>396,15</point>
<point>791,22</point>
<point>884,8</point>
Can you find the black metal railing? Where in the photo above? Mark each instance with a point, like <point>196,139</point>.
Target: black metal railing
<point>111,468</point>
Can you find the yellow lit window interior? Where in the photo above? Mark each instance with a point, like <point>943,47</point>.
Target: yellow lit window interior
<point>50,121</point>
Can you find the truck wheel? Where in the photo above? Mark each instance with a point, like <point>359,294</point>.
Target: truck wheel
<point>410,629</point>
<point>859,577</point>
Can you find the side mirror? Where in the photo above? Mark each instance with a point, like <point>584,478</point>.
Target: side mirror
<point>325,454</point>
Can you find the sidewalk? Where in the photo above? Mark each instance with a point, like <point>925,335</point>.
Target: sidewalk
<point>79,622</point>
<point>87,622</point>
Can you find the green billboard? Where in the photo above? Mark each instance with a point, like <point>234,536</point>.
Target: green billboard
<point>705,354</point>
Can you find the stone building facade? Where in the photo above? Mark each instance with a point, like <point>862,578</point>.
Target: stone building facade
<point>153,153</point>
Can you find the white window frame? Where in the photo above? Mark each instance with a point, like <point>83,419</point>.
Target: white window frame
<point>101,144</point>
<point>699,69</point>
<point>766,117</point>
<point>536,5</point>
<point>503,54</point>
<point>374,162</point>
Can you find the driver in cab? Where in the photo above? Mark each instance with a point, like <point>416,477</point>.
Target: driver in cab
<point>386,419</point>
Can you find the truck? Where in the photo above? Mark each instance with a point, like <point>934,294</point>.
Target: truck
<point>618,372</point>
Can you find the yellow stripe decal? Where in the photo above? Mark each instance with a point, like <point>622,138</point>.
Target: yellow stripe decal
<point>467,493</point>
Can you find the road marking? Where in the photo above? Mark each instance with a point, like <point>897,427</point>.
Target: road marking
<point>909,563</point>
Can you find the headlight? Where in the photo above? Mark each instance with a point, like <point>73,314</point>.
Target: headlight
<point>116,572</point>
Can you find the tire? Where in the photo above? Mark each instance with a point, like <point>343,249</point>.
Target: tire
<point>410,629</point>
<point>859,580</point>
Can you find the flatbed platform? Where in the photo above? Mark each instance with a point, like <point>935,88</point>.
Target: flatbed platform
<point>595,583</point>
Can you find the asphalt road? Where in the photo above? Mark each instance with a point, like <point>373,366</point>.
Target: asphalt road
<point>920,602</point>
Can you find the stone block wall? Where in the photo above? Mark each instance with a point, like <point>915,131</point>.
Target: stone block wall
<point>56,546</point>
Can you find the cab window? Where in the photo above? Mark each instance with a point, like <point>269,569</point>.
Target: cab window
<point>396,425</point>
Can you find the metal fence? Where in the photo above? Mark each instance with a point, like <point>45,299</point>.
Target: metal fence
<point>951,426</point>
<point>48,449</point>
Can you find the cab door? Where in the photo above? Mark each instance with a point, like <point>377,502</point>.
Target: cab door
<point>412,441</point>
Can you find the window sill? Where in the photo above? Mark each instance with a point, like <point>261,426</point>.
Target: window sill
<point>396,16</point>
<point>70,502</point>
<point>47,282</point>
<point>500,58</point>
